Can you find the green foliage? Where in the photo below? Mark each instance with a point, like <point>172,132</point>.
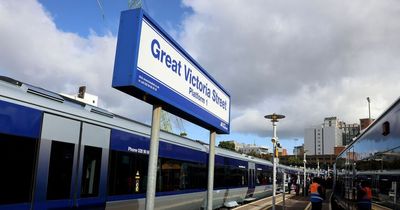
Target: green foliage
<point>266,157</point>
<point>253,153</point>
<point>227,145</point>
<point>294,161</point>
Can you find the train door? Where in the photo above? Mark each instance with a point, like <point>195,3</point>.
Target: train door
<point>252,180</point>
<point>69,164</point>
<point>92,167</point>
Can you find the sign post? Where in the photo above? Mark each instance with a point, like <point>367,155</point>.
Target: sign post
<point>211,161</point>
<point>153,157</point>
<point>152,67</point>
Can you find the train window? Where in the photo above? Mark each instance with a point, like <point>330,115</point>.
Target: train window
<point>263,177</point>
<point>176,175</point>
<point>128,173</point>
<point>171,175</point>
<point>60,170</point>
<point>219,176</point>
<point>91,172</point>
<point>17,160</point>
<point>237,177</point>
<point>198,176</point>
<point>391,159</point>
<point>385,128</point>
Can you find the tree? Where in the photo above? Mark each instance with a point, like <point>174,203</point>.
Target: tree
<point>253,153</point>
<point>294,161</point>
<point>227,145</point>
<point>266,157</point>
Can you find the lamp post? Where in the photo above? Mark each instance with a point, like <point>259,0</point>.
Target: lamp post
<point>369,108</point>
<point>274,119</point>
<point>305,178</point>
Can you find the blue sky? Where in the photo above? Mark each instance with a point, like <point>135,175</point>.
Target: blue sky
<point>305,59</point>
<point>102,16</point>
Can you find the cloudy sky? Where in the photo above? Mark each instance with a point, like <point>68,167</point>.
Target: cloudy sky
<point>304,59</point>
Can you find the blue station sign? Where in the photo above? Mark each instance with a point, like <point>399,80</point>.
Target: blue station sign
<point>151,66</point>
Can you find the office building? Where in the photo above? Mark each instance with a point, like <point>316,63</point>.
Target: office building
<point>321,140</point>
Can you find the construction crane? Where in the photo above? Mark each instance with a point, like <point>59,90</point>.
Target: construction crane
<point>167,124</point>
<point>179,125</point>
<point>133,4</point>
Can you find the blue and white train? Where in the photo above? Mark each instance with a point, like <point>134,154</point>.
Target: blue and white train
<point>372,158</point>
<point>58,153</point>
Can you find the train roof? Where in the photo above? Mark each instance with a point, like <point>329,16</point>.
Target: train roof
<point>42,99</point>
<point>372,125</point>
<point>39,98</point>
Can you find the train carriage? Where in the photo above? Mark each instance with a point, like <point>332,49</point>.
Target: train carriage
<point>58,153</point>
<point>372,158</point>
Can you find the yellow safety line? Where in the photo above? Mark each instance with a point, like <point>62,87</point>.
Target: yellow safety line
<point>308,206</point>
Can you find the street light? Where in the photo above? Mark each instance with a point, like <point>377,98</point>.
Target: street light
<point>305,178</point>
<point>274,119</point>
<point>369,108</point>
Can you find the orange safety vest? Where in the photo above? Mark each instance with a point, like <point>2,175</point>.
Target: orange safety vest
<point>365,201</point>
<point>368,193</point>
<point>314,188</point>
<point>315,196</point>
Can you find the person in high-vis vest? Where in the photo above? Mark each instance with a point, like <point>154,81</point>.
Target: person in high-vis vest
<point>316,196</point>
<point>364,195</point>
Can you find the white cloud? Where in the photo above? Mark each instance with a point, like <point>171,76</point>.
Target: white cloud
<point>35,51</point>
<point>307,60</point>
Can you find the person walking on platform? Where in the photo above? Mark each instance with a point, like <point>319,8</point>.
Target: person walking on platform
<point>364,196</point>
<point>316,194</point>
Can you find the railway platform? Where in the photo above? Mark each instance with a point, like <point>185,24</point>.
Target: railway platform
<point>292,202</point>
